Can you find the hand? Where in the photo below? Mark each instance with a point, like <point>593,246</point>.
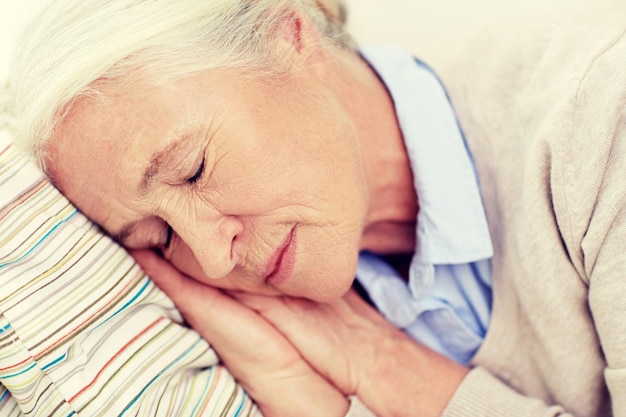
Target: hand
<point>258,356</point>
<point>362,354</point>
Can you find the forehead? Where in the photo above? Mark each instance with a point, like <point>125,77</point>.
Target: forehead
<point>119,124</point>
<point>97,153</point>
<point>106,142</point>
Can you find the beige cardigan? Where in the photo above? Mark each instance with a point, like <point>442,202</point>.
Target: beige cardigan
<point>542,107</point>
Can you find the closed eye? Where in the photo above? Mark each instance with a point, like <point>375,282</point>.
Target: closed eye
<point>161,248</point>
<point>198,174</point>
<point>168,239</point>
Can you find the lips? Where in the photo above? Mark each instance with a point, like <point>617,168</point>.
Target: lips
<point>280,265</point>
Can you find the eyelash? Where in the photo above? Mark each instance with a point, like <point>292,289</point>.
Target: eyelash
<point>195,177</point>
<point>168,239</point>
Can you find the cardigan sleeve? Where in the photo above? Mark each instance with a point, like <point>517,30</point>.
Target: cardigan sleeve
<point>593,205</point>
<point>581,138</point>
<point>603,243</point>
<point>482,394</point>
<point>606,249</point>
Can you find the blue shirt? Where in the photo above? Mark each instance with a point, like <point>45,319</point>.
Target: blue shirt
<point>446,303</point>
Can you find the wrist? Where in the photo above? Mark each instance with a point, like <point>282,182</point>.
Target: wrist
<point>408,379</point>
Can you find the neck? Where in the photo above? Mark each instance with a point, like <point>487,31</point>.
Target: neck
<point>390,223</point>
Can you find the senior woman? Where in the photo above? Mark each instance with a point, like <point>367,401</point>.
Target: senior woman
<point>260,154</point>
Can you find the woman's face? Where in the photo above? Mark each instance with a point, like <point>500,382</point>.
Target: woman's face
<point>260,182</point>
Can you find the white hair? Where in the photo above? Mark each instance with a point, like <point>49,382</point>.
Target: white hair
<point>74,45</point>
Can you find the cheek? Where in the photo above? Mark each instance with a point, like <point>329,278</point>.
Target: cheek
<point>328,278</point>
<point>184,260</point>
<point>309,151</point>
<point>326,262</point>
<point>181,207</point>
<point>261,179</point>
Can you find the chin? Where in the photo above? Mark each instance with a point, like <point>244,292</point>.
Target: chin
<point>335,279</point>
<point>328,290</point>
<point>329,298</point>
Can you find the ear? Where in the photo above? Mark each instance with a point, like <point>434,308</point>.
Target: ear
<point>291,30</point>
<point>300,43</point>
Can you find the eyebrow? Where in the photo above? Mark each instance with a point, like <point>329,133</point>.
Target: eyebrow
<point>152,171</point>
<point>150,175</point>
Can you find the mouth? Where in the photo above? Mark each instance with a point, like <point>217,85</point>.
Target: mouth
<point>282,261</point>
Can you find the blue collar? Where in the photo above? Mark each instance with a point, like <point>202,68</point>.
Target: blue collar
<point>451,223</point>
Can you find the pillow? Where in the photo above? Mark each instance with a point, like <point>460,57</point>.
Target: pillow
<point>82,329</point>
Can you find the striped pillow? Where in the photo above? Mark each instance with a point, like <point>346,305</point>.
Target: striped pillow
<point>82,329</point>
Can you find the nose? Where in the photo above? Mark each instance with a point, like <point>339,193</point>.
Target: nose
<point>212,244</point>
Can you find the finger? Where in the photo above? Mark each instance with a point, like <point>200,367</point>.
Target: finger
<point>232,328</point>
<point>283,311</point>
<point>339,341</point>
<point>255,353</point>
<point>319,334</point>
<point>190,296</point>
